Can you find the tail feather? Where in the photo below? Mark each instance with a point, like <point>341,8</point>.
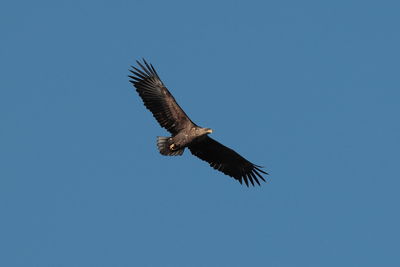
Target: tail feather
<point>163,146</point>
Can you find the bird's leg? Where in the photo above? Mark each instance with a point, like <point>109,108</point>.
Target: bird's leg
<point>172,147</point>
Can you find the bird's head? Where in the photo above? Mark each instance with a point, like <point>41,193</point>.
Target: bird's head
<point>208,130</point>
<point>201,131</point>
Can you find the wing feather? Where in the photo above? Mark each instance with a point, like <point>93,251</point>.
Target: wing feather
<point>226,160</point>
<point>157,98</point>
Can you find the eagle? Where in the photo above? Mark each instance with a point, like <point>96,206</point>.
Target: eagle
<point>184,132</point>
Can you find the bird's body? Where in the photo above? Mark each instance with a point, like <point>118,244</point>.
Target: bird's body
<point>184,132</point>
<point>176,144</point>
<point>189,135</point>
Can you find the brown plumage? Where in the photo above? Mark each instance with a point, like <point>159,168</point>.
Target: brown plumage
<point>186,133</point>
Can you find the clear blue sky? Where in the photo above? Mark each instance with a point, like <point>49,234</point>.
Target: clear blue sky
<point>308,89</point>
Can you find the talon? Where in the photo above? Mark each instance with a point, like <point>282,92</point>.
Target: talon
<point>172,147</point>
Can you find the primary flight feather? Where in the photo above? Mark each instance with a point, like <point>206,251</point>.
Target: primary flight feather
<point>185,133</point>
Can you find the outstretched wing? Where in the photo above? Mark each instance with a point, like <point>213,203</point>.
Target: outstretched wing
<point>226,160</point>
<point>157,98</point>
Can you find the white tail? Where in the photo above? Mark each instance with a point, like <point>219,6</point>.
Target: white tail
<point>163,144</point>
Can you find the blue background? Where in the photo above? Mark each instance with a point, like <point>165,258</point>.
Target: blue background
<point>308,89</point>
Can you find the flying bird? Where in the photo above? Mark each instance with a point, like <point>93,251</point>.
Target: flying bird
<point>185,133</point>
